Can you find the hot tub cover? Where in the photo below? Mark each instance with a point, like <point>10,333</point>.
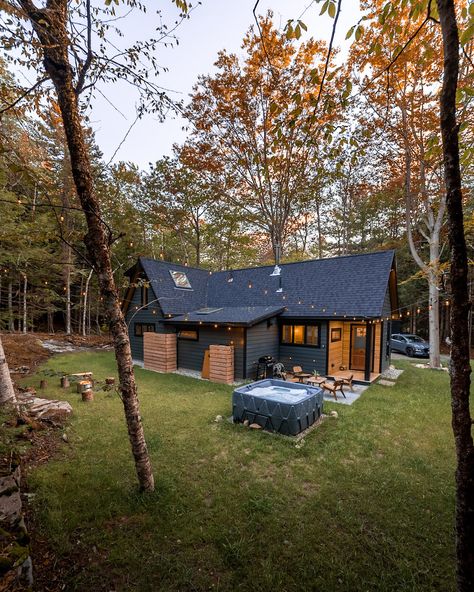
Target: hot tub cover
<point>278,406</point>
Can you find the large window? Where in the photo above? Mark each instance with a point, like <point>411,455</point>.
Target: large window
<point>301,334</point>
<point>141,328</point>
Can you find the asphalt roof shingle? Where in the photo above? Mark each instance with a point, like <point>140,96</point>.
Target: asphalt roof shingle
<point>241,315</point>
<point>352,285</point>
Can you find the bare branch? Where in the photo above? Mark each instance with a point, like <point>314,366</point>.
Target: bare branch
<point>23,95</point>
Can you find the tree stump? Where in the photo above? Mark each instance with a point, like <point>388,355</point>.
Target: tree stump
<point>64,382</point>
<point>43,384</point>
<point>87,395</point>
<point>84,385</point>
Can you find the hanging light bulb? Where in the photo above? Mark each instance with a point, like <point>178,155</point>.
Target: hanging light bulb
<point>418,310</point>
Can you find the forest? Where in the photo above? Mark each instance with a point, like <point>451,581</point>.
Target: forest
<point>294,150</point>
<point>260,172</point>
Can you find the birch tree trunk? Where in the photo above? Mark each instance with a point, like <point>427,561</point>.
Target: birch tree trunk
<point>50,25</point>
<point>460,368</point>
<point>7,394</point>
<point>84,312</point>
<point>430,269</point>
<point>25,318</point>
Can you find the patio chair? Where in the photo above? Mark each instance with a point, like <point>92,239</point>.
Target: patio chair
<point>333,387</point>
<point>347,381</point>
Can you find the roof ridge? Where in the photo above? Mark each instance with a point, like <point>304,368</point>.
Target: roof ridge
<point>269,265</point>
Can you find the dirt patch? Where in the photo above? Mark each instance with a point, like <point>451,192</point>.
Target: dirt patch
<point>25,353</point>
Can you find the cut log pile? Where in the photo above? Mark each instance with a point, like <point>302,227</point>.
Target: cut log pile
<point>159,352</point>
<point>42,408</point>
<point>221,363</point>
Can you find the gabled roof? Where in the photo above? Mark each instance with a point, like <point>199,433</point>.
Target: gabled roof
<point>234,315</point>
<point>337,287</point>
<point>353,285</point>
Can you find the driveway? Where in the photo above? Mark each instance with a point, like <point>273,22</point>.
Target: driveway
<point>397,356</point>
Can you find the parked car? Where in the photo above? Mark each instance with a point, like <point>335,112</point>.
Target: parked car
<point>411,345</point>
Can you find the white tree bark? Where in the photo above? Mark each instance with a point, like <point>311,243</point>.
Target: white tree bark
<point>84,312</point>
<point>7,394</point>
<point>25,287</point>
<point>433,223</point>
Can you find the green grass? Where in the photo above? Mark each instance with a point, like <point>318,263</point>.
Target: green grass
<point>366,504</point>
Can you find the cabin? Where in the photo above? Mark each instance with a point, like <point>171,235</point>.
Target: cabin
<point>326,315</point>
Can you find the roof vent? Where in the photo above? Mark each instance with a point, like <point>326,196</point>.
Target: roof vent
<point>276,271</point>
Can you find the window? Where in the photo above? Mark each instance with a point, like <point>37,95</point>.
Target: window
<point>336,335</point>
<point>188,334</point>
<point>300,335</point>
<point>141,328</point>
<point>180,279</point>
<point>286,334</point>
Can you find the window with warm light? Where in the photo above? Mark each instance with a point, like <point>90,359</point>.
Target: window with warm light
<point>298,334</point>
<point>305,334</point>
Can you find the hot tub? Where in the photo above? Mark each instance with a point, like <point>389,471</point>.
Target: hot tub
<point>278,406</point>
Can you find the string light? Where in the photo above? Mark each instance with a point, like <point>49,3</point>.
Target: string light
<point>447,303</point>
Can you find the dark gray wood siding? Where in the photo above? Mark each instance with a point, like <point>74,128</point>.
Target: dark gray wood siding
<point>386,330</point>
<point>262,340</point>
<point>191,353</point>
<point>152,314</point>
<point>309,358</point>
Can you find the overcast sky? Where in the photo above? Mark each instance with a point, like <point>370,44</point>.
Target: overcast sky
<point>215,25</point>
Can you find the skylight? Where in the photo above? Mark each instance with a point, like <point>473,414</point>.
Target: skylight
<point>180,279</point>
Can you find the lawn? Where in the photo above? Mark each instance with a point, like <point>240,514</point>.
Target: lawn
<point>365,504</point>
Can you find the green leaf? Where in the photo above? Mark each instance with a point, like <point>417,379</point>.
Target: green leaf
<point>467,34</point>
<point>324,7</point>
<point>349,32</point>
<point>358,33</point>
<point>332,10</point>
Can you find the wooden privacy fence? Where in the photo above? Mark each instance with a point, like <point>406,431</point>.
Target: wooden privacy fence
<point>221,363</point>
<point>159,352</point>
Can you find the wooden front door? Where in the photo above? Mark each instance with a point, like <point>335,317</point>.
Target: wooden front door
<point>358,346</point>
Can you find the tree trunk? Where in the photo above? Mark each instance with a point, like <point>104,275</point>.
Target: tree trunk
<point>433,320</point>
<point>55,45</point>
<point>67,285</point>
<point>25,286</point>
<point>7,394</point>
<point>11,325</point>
<point>460,368</point>
<point>84,312</point>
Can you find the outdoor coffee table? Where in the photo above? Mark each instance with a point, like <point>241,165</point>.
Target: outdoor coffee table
<point>316,380</point>
<point>302,376</point>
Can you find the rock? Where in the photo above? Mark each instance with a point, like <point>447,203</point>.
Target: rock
<point>255,426</point>
<point>246,423</point>
<point>386,382</point>
<point>334,414</point>
<point>65,438</point>
<point>219,418</point>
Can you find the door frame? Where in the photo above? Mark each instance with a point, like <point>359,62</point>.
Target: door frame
<point>372,335</point>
